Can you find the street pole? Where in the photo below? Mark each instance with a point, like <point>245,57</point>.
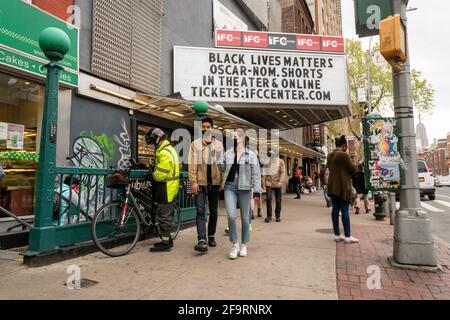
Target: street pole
<point>369,78</point>
<point>55,44</point>
<point>413,240</point>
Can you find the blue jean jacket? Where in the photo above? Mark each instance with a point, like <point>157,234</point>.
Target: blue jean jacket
<point>249,170</point>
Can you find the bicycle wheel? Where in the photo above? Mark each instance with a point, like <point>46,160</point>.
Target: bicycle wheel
<point>175,230</point>
<point>109,234</point>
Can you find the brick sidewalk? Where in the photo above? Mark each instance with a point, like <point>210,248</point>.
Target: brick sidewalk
<point>375,247</point>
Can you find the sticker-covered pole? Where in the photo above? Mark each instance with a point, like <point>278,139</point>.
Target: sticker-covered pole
<point>413,240</point>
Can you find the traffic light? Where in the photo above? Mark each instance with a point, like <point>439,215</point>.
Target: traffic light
<point>393,43</point>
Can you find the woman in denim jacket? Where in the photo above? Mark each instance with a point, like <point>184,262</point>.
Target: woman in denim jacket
<point>242,181</point>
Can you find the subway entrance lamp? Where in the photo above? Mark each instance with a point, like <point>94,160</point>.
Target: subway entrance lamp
<point>55,44</point>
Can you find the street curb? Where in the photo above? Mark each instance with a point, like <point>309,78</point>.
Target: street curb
<point>394,264</point>
<point>442,241</point>
<point>76,251</point>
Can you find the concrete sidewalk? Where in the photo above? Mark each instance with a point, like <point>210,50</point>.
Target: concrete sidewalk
<point>294,259</point>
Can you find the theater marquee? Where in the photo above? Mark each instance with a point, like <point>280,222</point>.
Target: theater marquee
<point>243,76</point>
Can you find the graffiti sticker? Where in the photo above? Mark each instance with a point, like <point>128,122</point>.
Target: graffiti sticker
<point>382,154</point>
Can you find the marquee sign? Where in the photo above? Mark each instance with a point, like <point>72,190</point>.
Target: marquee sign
<point>279,41</point>
<point>248,76</point>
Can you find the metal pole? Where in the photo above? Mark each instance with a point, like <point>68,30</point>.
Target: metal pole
<point>55,44</point>
<point>369,78</point>
<point>392,207</point>
<point>413,240</point>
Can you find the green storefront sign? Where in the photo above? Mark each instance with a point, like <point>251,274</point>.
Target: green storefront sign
<point>20,26</point>
<point>369,13</point>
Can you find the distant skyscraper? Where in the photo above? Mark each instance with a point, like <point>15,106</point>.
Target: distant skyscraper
<point>421,133</point>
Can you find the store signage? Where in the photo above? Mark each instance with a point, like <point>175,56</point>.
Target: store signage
<point>11,136</point>
<point>261,77</point>
<point>279,41</point>
<point>19,46</point>
<point>20,62</point>
<point>225,19</point>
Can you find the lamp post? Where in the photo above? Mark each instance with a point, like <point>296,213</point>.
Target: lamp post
<point>413,239</point>
<point>55,44</point>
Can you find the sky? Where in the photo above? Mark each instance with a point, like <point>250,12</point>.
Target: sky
<point>429,39</point>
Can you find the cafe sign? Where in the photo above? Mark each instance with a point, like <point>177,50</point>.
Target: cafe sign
<point>19,45</point>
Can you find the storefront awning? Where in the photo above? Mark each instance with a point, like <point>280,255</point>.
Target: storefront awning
<point>179,110</point>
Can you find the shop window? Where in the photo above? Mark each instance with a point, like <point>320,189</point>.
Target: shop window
<point>21,103</point>
<point>146,154</point>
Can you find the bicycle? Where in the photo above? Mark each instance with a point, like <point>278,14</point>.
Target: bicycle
<point>117,226</point>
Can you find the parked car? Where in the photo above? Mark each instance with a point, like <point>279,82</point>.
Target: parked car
<point>426,181</point>
<point>443,181</point>
<point>436,181</point>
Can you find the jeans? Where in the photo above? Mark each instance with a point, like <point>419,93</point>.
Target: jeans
<point>340,205</point>
<point>233,196</point>
<point>212,193</point>
<point>270,192</point>
<point>298,190</point>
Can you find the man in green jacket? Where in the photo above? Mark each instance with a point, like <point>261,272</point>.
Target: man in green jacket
<point>166,181</point>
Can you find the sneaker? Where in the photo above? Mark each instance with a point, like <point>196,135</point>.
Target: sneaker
<point>162,247</point>
<point>243,252</point>
<point>162,243</point>
<point>202,246</point>
<point>278,220</point>
<point>212,242</point>
<point>268,220</point>
<point>234,252</point>
<point>357,211</point>
<point>227,231</point>
<point>368,211</point>
<point>250,227</point>
<point>351,240</point>
<point>339,238</point>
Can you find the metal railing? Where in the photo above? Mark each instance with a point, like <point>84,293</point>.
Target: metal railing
<point>71,220</point>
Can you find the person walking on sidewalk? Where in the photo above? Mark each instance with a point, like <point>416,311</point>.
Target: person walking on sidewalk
<point>274,175</point>
<point>298,182</point>
<point>359,183</point>
<point>340,188</point>
<point>324,174</point>
<point>241,182</point>
<point>206,179</point>
<point>166,181</point>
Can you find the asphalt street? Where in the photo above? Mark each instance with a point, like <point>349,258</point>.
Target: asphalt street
<point>439,212</point>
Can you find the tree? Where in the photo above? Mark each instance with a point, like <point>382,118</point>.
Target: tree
<point>381,84</point>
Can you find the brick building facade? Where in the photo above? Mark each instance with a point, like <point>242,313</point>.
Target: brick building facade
<point>60,8</point>
<point>296,17</point>
<point>437,157</point>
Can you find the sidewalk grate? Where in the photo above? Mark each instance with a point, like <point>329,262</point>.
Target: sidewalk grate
<point>85,283</point>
